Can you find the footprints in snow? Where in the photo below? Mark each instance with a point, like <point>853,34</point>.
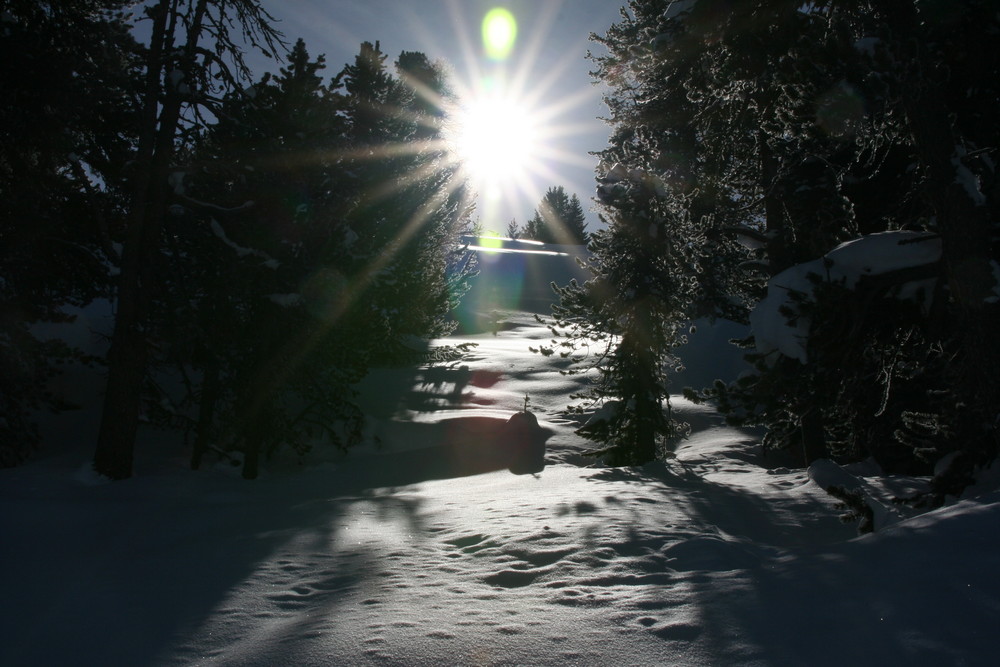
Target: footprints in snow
<point>470,544</point>
<point>590,562</point>
<point>678,631</point>
<point>522,563</point>
<point>542,558</point>
<point>303,595</point>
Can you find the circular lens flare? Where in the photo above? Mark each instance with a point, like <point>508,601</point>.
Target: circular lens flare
<point>499,33</point>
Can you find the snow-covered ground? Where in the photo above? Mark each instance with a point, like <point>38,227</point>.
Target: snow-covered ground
<point>396,555</point>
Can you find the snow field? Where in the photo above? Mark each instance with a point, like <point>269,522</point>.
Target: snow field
<point>391,557</point>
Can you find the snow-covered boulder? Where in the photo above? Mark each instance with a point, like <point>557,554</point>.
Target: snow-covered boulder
<point>525,442</point>
<point>849,263</point>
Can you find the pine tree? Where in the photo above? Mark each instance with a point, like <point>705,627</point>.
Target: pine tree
<point>794,128</point>
<point>558,219</point>
<point>337,266</point>
<point>662,260</point>
<point>180,78</point>
<point>957,149</point>
<point>514,230</point>
<point>634,308</point>
<point>409,206</point>
<point>65,132</point>
<point>255,229</point>
<point>883,173</point>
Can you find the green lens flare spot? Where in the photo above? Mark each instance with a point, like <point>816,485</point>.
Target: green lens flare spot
<point>490,243</point>
<point>499,33</point>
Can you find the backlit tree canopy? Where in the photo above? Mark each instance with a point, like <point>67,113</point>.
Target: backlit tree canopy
<point>791,128</point>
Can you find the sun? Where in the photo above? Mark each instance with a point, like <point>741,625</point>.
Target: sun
<point>505,134</point>
<point>496,140</point>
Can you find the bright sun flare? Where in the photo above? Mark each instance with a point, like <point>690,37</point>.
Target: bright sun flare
<point>503,133</point>
<point>495,140</point>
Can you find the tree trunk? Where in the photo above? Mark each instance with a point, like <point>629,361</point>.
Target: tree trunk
<point>120,413</point>
<point>251,456</point>
<point>964,224</point>
<point>256,423</point>
<point>647,408</point>
<point>210,386</point>
<point>781,257</point>
<point>778,252</point>
<point>813,437</point>
<point>126,357</point>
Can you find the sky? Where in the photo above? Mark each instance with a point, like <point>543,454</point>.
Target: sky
<point>546,76</point>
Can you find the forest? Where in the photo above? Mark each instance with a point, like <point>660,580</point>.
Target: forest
<point>268,239</point>
<point>825,173</point>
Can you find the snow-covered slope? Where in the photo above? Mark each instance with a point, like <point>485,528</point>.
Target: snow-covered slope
<point>713,557</point>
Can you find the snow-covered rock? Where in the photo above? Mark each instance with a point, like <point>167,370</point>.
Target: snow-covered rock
<point>871,255</point>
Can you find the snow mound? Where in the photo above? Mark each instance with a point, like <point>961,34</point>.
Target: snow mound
<point>871,255</point>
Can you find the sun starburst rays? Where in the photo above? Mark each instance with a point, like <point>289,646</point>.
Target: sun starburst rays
<point>508,126</point>
<point>498,139</point>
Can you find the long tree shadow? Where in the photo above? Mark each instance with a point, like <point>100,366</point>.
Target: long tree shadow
<point>731,509</point>
<point>135,571</point>
<point>180,555</point>
<point>388,392</point>
<point>463,446</point>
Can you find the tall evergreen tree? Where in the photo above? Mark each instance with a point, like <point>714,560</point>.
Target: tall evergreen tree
<point>662,259</point>
<point>634,308</point>
<point>258,216</point>
<point>559,218</point>
<point>338,264</point>
<point>514,230</point>
<point>65,134</point>
<point>955,137</point>
<point>874,144</point>
<point>796,127</point>
<point>181,78</point>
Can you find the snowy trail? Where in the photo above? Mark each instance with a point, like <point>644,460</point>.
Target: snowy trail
<point>706,559</point>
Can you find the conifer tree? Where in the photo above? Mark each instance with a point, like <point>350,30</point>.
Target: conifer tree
<point>857,152</point>
<point>248,261</point>
<point>65,132</point>
<point>514,230</point>
<point>662,259</point>
<point>794,128</point>
<point>633,310</point>
<point>181,77</point>
<point>338,265</point>
<point>559,218</point>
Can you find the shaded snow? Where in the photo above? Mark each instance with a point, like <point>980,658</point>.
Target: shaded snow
<point>848,263</point>
<point>965,178</point>
<point>678,7</point>
<point>389,557</point>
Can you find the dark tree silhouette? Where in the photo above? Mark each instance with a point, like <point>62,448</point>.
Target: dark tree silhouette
<point>559,218</point>
<point>66,127</point>
<point>793,128</point>
<point>180,77</point>
<point>311,285</point>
